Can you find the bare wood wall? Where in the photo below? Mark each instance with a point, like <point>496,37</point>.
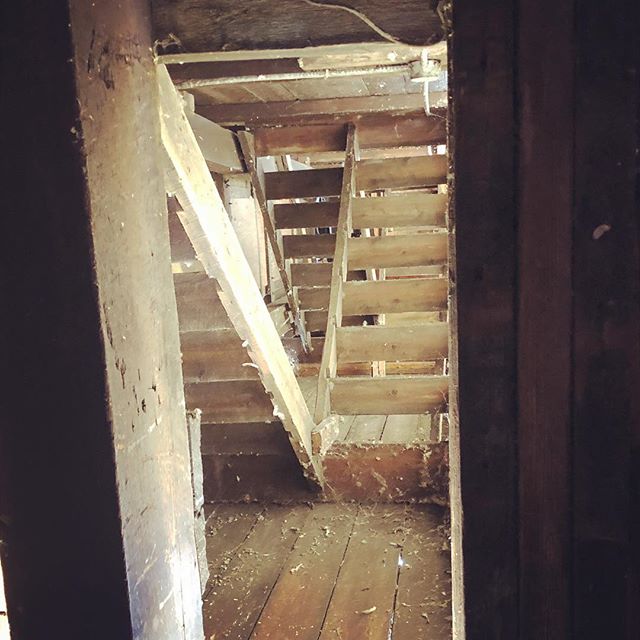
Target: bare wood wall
<point>547,291</point>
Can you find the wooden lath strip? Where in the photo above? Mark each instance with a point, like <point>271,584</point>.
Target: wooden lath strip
<point>246,143</point>
<point>217,247</point>
<point>339,270</point>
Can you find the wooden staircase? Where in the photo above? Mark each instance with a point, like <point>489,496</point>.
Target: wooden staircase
<point>402,233</point>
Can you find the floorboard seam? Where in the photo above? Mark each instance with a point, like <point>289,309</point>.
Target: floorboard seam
<point>275,582</point>
<point>344,555</point>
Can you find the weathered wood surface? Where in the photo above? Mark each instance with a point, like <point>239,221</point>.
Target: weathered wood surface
<point>208,25</point>
<point>572,447</point>
<point>311,274</point>
<point>415,250</point>
<point>217,247</point>
<point>372,175</point>
<point>363,600</point>
<point>377,473</point>
<point>366,429</point>
<point>325,571</point>
<point>395,296</point>
<point>282,185</point>
<point>423,602</point>
<point>257,182</point>
<point>401,173</point>
<point>375,132</point>
<point>298,603</point>
<point>390,394</point>
<point>311,111</point>
<point>380,342</point>
<point>306,215</point>
<point>339,272</point>
<point>392,211</point>
<point>309,246</point>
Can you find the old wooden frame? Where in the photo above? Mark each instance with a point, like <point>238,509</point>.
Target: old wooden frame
<point>217,247</point>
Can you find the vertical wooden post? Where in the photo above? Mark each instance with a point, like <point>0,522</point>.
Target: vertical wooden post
<point>95,495</point>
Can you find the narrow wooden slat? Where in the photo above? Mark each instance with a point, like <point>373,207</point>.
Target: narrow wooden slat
<point>212,366</point>
<point>401,173</point>
<point>389,343</point>
<point>232,608</point>
<point>366,429</point>
<point>346,422</point>
<point>281,185</point>
<point>298,603</point>
<point>362,603</point>
<point>400,210</point>
<point>306,215</point>
<point>311,246</point>
<point>401,429</point>
<point>395,296</point>
<point>391,394</point>
<point>398,251</point>
<point>311,274</point>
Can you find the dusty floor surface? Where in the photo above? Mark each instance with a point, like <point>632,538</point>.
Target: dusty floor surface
<point>328,571</point>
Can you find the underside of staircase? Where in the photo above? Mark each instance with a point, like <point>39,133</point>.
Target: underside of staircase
<point>356,299</point>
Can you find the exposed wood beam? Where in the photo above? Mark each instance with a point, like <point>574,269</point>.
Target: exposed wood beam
<point>215,25</point>
<point>310,57</point>
<point>217,246</point>
<point>331,109</point>
<point>266,208</point>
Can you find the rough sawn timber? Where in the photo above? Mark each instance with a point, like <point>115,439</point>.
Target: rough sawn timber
<point>215,242</point>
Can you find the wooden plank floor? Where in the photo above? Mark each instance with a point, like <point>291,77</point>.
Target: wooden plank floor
<point>327,571</point>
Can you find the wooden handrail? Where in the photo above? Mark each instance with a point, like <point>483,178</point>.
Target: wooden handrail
<point>339,270</point>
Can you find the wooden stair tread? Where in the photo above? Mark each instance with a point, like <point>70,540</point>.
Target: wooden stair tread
<point>411,344</point>
<point>371,175</point>
<point>398,251</point>
<point>395,296</point>
<point>388,394</point>
<point>396,211</point>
